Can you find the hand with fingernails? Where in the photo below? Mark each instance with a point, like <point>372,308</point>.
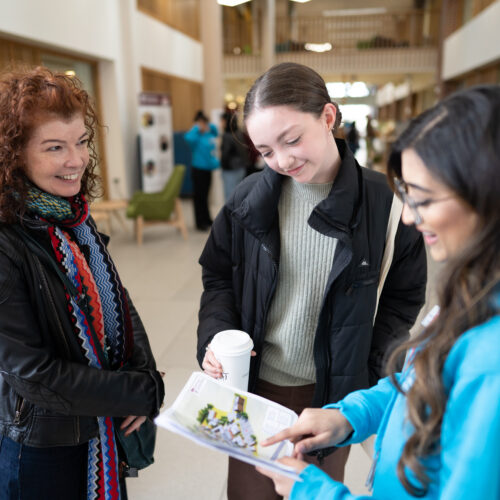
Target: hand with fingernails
<point>211,366</point>
<point>315,428</point>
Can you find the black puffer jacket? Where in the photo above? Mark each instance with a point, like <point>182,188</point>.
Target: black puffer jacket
<point>240,270</point>
<point>49,394</point>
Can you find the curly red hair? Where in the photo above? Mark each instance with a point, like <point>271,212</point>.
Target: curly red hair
<point>27,99</point>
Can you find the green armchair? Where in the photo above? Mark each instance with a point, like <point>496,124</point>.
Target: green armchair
<point>163,207</point>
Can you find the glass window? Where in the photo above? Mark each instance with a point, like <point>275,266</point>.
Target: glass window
<point>83,70</point>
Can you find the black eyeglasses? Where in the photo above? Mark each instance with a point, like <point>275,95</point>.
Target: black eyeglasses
<point>402,191</point>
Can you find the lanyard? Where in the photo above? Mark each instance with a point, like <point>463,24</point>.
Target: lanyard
<point>428,319</point>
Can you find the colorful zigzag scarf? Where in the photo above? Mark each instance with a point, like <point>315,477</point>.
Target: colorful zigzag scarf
<point>104,330</point>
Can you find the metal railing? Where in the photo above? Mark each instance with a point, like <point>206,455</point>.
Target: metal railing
<point>391,30</point>
<point>345,61</point>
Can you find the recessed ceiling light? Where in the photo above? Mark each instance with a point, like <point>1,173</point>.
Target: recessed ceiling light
<point>368,11</point>
<point>231,3</point>
<point>338,90</point>
<point>318,47</point>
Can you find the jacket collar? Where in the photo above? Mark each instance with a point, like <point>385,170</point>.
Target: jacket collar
<point>258,211</point>
<point>340,210</point>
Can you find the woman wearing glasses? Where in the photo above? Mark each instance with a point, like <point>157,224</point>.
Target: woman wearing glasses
<point>438,421</point>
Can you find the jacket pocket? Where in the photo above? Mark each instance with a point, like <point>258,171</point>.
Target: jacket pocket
<point>53,430</point>
<point>363,281</point>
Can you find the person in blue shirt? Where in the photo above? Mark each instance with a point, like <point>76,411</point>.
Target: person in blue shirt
<point>438,420</point>
<point>201,140</point>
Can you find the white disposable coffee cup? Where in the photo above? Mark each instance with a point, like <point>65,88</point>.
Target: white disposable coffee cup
<point>232,349</point>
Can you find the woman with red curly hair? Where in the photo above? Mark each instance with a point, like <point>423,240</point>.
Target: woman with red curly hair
<point>73,350</point>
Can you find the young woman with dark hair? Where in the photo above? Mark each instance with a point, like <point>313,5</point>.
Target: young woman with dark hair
<point>73,350</point>
<point>295,257</point>
<point>438,421</point>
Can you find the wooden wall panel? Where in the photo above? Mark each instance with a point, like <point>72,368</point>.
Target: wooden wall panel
<point>237,26</point>
<point>452,12</point>
<point>186,95</point>
<point>489,75</point>
<point>458,12</point>
<point>182,15</point>
<point>480,5</point>
<point>14,54</point>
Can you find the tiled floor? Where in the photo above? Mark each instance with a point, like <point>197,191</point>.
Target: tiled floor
<point>164,281</point>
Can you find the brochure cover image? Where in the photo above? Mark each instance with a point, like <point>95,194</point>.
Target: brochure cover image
<point>230,420</point>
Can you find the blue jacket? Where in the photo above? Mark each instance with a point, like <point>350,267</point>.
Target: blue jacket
<point>202,147</point>
<point>468,465</point>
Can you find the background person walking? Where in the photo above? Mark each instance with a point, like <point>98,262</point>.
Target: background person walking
<point>201,141</point>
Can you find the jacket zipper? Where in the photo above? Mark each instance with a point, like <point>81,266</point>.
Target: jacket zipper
<point>268,251</point>
<point>275,265</point>
<point>60,329</point>
<point>19,409</point>
<point>45,283</point>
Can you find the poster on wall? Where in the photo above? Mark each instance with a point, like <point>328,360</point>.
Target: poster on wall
<point>156,140</point>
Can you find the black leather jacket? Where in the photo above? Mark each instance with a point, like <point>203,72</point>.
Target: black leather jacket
<point>240,270</point>
<point>49,394</point>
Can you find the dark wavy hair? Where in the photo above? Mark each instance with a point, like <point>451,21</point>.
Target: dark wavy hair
<point>458,140</point>
<point>27,99</point>
<point>290,84</point>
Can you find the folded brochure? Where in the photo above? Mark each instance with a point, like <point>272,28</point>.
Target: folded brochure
<point>227,419</point>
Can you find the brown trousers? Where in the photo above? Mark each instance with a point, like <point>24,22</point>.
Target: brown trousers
<point>245,483</point>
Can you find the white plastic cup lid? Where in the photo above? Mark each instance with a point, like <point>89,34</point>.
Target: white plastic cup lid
<point>231,343</point>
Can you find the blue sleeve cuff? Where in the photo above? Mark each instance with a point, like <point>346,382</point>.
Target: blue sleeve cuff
<point>317,484</point>
<point>364,409</point>
<point>354,436</point>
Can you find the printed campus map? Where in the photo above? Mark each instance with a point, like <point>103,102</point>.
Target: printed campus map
<point>229,420</point>
<point>232,427</point>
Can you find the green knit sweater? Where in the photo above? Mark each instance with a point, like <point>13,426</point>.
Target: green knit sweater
<point>306,258</point>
